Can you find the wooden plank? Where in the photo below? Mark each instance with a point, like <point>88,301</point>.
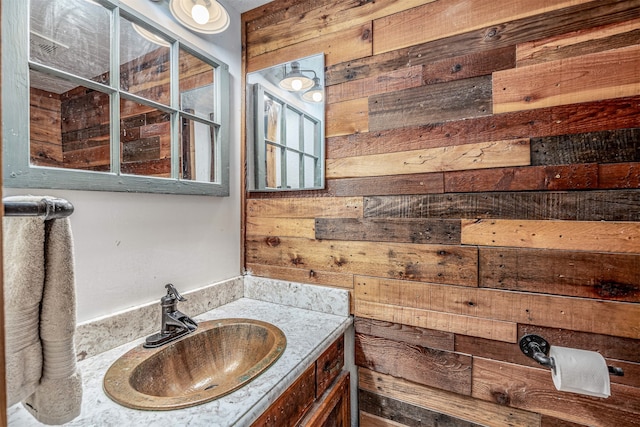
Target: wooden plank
<point>329,365</point>
<point>578,43</point>
<point>532,389</point>
<point>435,368</point>
<point>579,205</point>
<point>455,100</point>
<point>564,235</point>
<point>581,274</point>
<point>619,175</point>
<point>369,420</point>
<point>609,74</point>
<point>578,314</point>
<point>315,277</point>
<point>611,146</point>
<point>407,28</point>
<point>452,404</point>
<point>434,231</point>
<point>332,409</point>
<point>473,64</point>
<point>437,320</point>
<point>290,227</point>
<point>410,334</point>
<point>461,157</point>
<point>397,411</point>
<point>549,24</point>
<point>310,19</point>
<point>387,82</point>
<point>556,120</point>
<point>343,207</point>
<point>421,183</point>
<point>562,177</point>
<point>347,117</point>
<point>430,263</point>
<point>337,47</point>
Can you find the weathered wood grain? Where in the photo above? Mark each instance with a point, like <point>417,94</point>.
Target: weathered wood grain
<point>347,117</point>
<point>370,420</point>
<point>612,146</point>
<point>433,231</point>
<point>410,334</point>
<point>397,411</point>
<point>337,47</point>
<point>532,389</point>
<point>435,368</point>
<point>437,320</point>
<point>578,314</point>
<point>430,263</point>
<point>289,227</point>
<point>452,404</point>
<point>341,207</point>
<point>623,205</point>
<point>387,185</point>
<point>581,274</point>
<point>556,120</point>
<point>564,235</point>
<point>481,155</point>
<point>455,100</point>
<point>474,64</point>
<point>316,277</point>
<point>561,177</point>
<point>387,82</point>
<point>602,75</point>
<point>407,28</point>
<point>619,175</point>
<point>577,43</point>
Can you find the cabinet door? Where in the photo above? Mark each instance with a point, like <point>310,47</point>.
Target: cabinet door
<point>334,408</point>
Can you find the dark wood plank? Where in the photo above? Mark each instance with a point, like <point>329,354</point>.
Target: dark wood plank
<point>569,177</point>
<point>619,175</point>
<point>436,368</point>
<point>581,274</point>
<point>609,114</point>
<point>405,413</point>
<point>434,231</point>
<point>623,205</point>
<point>329,365</point>
<point>456,100</point>
<point>611,146</point>
<point>410,334</point>
<point>471,65</point>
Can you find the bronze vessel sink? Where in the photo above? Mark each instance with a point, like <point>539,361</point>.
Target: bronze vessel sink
<point>218,358</point>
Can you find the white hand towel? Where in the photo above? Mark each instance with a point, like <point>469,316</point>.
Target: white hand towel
<point>40,312</point>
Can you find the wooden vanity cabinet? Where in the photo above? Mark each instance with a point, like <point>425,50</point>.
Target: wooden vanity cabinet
<point>318,398</point>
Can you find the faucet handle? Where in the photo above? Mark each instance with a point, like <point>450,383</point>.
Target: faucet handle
<point>172,292</point>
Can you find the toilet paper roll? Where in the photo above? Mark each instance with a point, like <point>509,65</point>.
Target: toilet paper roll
<point>580,371</point>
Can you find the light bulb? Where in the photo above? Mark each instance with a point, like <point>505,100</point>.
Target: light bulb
<point>200,14</point>
<point>296,84</point>
<point>317,96</point>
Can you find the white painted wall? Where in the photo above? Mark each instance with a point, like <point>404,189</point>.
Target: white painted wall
<point>128,246</point>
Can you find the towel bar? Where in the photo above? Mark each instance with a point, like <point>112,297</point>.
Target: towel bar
<point>49,208</point>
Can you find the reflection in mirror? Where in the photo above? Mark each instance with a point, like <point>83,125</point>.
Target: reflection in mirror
<point>285,126</point>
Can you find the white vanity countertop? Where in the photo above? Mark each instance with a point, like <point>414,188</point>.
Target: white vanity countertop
<point>308,334</point>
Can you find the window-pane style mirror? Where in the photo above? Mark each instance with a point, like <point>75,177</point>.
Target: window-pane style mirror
<point>285,126</point>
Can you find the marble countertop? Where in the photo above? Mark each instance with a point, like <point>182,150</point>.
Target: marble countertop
<point>308,334</point>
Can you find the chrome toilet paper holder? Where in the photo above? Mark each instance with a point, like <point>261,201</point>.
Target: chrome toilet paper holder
<point>537,348</point>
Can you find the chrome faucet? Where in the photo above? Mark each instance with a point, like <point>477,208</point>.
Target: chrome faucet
<point>175,324</point>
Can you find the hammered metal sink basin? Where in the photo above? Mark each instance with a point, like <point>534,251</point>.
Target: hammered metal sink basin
<point>218,358</point>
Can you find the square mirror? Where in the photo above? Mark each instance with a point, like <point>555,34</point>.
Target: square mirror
<point>285,126</point>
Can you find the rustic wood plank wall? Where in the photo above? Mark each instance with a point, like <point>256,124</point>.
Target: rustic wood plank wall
<point>483,182</point>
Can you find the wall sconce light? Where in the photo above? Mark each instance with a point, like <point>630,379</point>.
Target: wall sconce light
<point>295,80</point>
<point>316,93</point>
<point>202,16</point>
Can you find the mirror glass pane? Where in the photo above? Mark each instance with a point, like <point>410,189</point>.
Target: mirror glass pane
<point>198,152</point>
<point>72,36</point>
<point>145,63</point>
<point>197,91</point>
<point>285,130</point>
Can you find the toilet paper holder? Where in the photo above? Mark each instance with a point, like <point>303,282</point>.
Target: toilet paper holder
<point>537,348</point>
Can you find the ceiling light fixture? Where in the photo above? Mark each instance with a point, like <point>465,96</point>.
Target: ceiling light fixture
<point>316,93</point>
<point>202,16</point>
<point>295,80</point>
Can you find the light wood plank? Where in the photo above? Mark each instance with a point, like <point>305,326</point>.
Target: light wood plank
<point>345,118</point>
<point>566,235</point>
<point>603,75</point>
<point>440,321</point>
<point>577,314</point>
<point>291,227</point>
<point>408,28</point>
<point>455,405</point>
<point>369,420</point>
<point>316,277</point>
<point>460,157</point>
<point>309,207</point>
